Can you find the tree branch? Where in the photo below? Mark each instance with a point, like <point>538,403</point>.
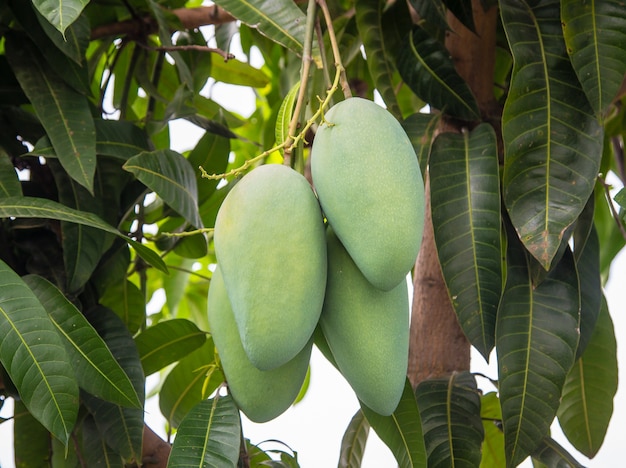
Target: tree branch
<point>155,450</point>
<point>190,18</point>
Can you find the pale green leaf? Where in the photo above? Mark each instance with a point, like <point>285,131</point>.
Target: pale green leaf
<point>353,442</point>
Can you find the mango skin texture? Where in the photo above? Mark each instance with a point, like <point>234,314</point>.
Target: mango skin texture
<point>261,395</point>
<point>270,245</point>
<point>367,331</point>
<point>368,181</point>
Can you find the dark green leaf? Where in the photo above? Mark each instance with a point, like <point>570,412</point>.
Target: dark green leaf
<point>31,207</point>
<point>9,182</point>
<point>552,141</point>
<point>353,442</point>
<point>590,387</point>
<point>450,413</point>
<point>60,13</point>
<point>427,68</point>
<point>595,34</point>
<point>94,366</point>
<point>280,20</point>
<point>209,435</point>
<point>433,13</point>
<point>171,176</point>
<point>31,441</point>
<point>379,58</point>
<point>551,454</point>
<point>95,450</point>
<point>536,340</point>
<point>211,153</point>
<point>465,203</point>
<point>121,427</point>
<point>420,129</point>
<point>462,9</point>
<point>35,358</point>
<point>126,300</point>
<point>402,431</point>
<point>63,112</point>
<point>193,379</point>
<point>167,342</point>
<point>493,444</point>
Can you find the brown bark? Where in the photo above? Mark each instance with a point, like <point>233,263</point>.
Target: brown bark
<point>155,450</point>
<point>438,345</point>
<point>190,18</point>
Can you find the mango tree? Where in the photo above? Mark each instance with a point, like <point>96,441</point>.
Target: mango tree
<point>513,110</point>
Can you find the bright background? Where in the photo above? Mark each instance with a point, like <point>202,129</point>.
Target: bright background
<point>314,427</point>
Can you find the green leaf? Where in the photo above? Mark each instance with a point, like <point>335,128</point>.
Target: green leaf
<point>285,113</point>
<point>590,387</point>
<point>369,15</point>
<point>551,454</point>
<point>127,301</point>
<point>96,369</point>
<point>353,442</point>
<point>595,34</point>
<point>121,427</point>
<point>9,183</point>
<point>193,379</point>
<point>63,112</point>
<point>493,444</point>
<point>60,13</point>
<point>420,129</point>
<point>170,175</point>
<point>31,441</point>
<point>238,73</point>
<point>209,435</point>
<point>428,70</point>
<point>167,342</point>
<point>402,431</point>
<point>536,339</point>
<point>450,412</point>
<point>465,203</point>
<point>552,141</point>
<point>95,450</point>
<point>31,207</point>
<point>211,153</point>
<point>35,358</point>
<point>280,20</point>
<point>433,13</point>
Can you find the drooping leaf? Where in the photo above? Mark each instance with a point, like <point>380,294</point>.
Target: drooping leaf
<point>171,176</point>
<point>63,112</point>
<point>420,129</point>
<point>167,342</point>
<point>35,358</point>
<point>590,387</point>
<point>552,141</point>
<point>402,431</point>
<point>31,207</point>
<point>428,70</point>
<point>9,182</point>
<point>536,340</point>
<point>193,379</point>
<point>353,441</point>
<point>60,13</point>
<point>450,413</point>
<point>465,202</point>
<point>553,455</point>
<point>31,441</point>
<point>126,300</point>
<point>94,366</point>
<point>493,444</point>
<point>281,21</point>
<point>121,427</point>
<point>369,15</point>
<point>595,34</point>
<point>95,450</point>
<point>209,435</point>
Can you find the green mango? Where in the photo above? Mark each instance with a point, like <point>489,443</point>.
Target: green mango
<point>367,331</point>
<point>369,184</point>
<point>270,245</point>
<point>261,395</point>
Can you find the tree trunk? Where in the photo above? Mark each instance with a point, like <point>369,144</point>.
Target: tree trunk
<point>438,345</point>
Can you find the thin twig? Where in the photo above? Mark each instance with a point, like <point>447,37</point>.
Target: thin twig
<point>200,48</point>
<point>345,86</point>
<point>616,217</point>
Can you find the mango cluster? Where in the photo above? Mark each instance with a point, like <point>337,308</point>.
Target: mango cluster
<point>291,258</point>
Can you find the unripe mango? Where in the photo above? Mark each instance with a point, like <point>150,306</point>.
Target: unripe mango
<point>271,249</point>
<point>261,395</point>
<point>367,331</point>
<point>369,184</point>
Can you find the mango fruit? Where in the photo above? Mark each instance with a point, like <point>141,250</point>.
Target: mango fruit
<point>270,246</point>
<point>261,395</point>
<point>367,177</point>
<point>367,331</point>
